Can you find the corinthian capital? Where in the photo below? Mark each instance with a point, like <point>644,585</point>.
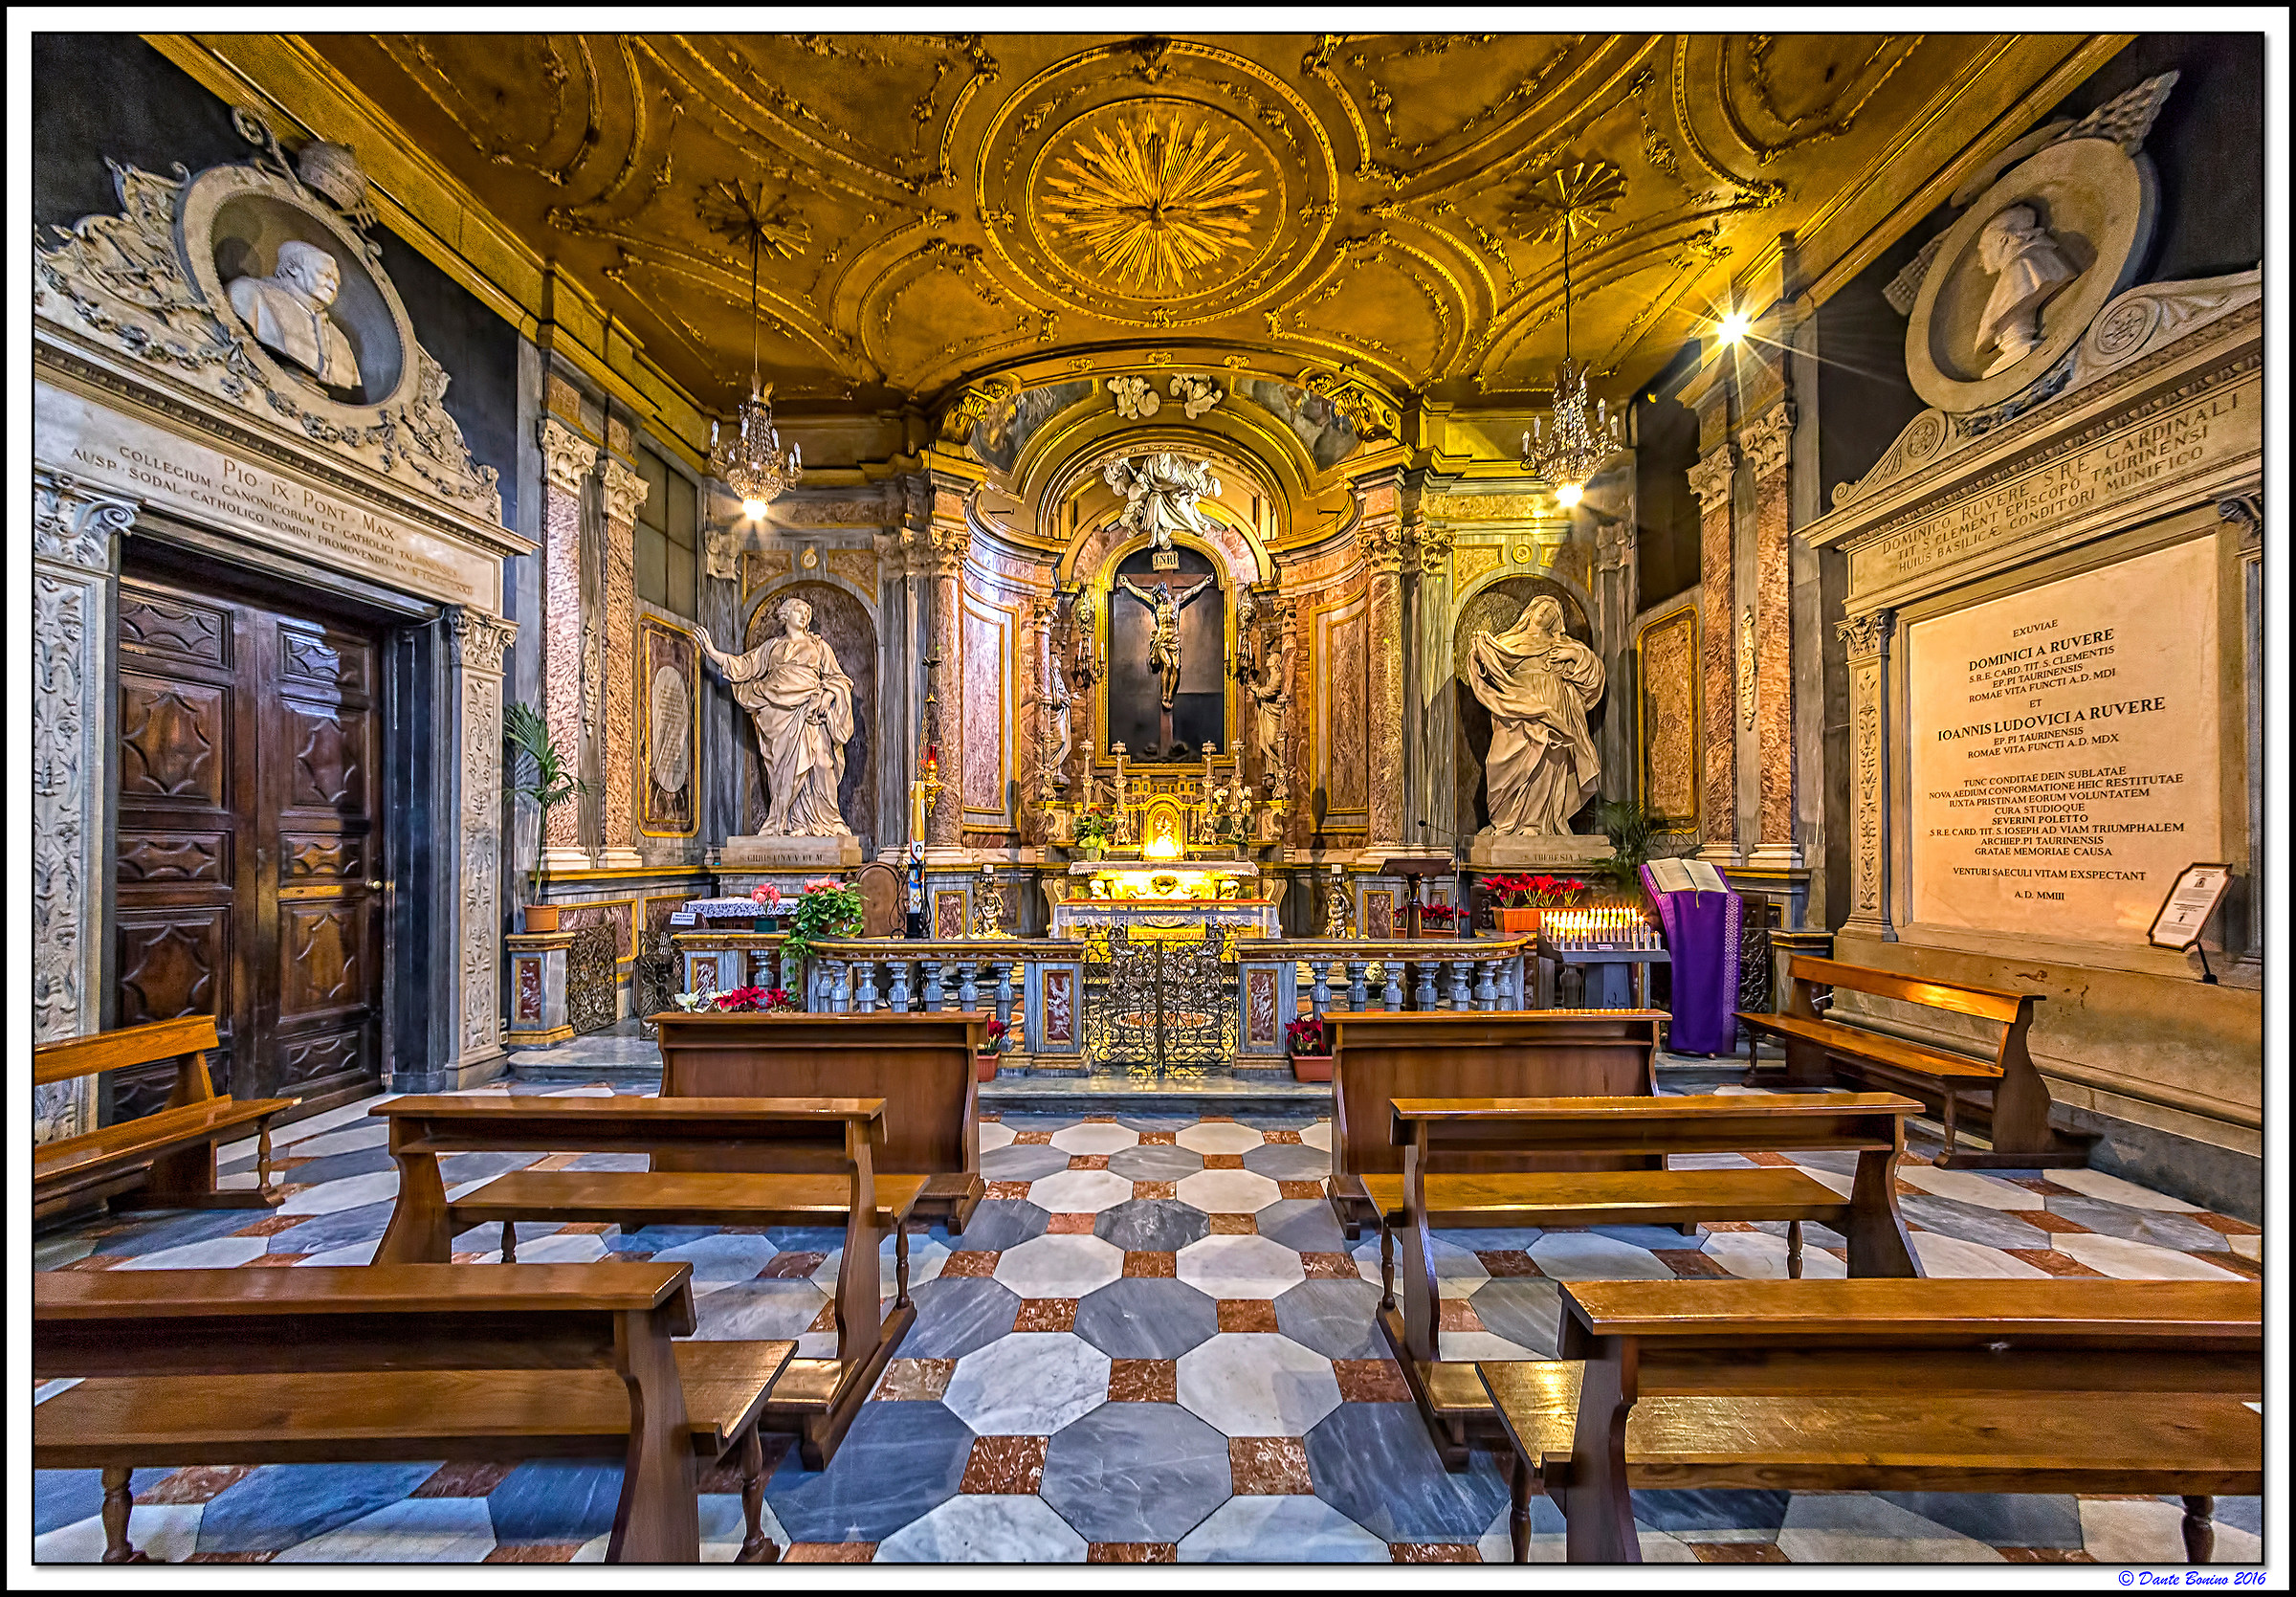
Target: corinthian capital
<point>624,492</point>
<point>567,457</point>
<point>1868,633</point>
<point>1709,478</point>
<point>951,542</point>
<point>479,638</point>
<point>73,523</point>
<point>1381,544</point>
<point>1766,439</point>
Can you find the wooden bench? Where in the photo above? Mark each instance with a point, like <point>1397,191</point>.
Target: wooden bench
<point>920,1064</point>
<point>809,1162</point>
<point>1818,1049</point>
<point>1443,1140</point>
<point>386,1364</point>
<point>163,1160</point>
<point>1961,1386</point>
<point>1378,1057</point>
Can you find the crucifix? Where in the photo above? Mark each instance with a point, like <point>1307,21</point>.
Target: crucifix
<point>1163,637</point>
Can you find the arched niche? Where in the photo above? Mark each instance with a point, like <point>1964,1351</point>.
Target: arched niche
<point>1130,710</point>
<point>845,625</point>
<point>1494,607</point>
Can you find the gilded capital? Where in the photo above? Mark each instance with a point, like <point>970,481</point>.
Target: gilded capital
<point>1766,439</point>
<point>1381,544</point>
<point>624,492</point>
<point>1709,478</point>
<point>567,457</point>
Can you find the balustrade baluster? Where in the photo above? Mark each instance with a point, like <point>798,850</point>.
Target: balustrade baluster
<point>1487,991</point>
<point>1422,996</point>
<point>1320,988</point>
<point>1357,993</point>
<point>1002,969</point>
<point>1393,971</point>
<point>841,988</point>
<point>900,985</point>
<point>866,997</point>
<point>1456,971</point>
<point>968,989</point>
<point>933,993</point>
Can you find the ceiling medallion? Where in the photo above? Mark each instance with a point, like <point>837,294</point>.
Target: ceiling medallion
<point>1156,204</point>
<point>1582,443</point>
<point>755,466</point>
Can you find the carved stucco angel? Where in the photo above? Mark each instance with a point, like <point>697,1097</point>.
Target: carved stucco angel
<point>1161,490</point>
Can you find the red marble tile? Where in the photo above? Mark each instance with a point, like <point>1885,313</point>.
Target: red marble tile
<point>1223,1162</point>
<point>1246,1313</point>
<point>1154,1189</point>
<point>1235,1225</point>
<point>829,1552</point>
<point>1100,1119</point>
<point>1159,1266</point>
<point>1004,1190</point>
<point>825,1320</point>
<point>2046,1555</point>
<point>536,1552</point>
<point>1300,1188</point>
<point>915,1380</point>
<point>1433,1552</point>
<point>792,1267</point>
<point>96,1261</point>
<point>1330,1267</point>
<point>2052,1261</point>
<point>2225,1223</point>
<point>200,1482</point>
<point>1775,1159</point>
<point>1288,1138</point>
<point>271,1225</point>
<point>1070,1225</point>
<point>599,1228</point>
<point>1370,1381</point>
<point>1159,1138</point>
<point>1730,1225</point>
<point>1032,1139</point>
<point>1047,1313</point>
<point>1688,1263</point>
<point>266,1557</point>
<point>1005,1466</point>
<point>464,1481</point>
<point>1088,1162</point>
<point>275,1261</point>
<point>2253,1269</point>
<point>1269,1466</point>
<point>1736,1552</point>
<point>1457,1314</point>
<point>1131,1552</point>
<point>2040,1219</point>
<point>1509,1261</point>
<point>1143,1380</point>
<point>970,1262</point>
<point>1217,1120</point>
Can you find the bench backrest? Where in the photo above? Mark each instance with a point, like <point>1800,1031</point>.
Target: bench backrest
<point>131,1045</point>
<point>1985,1003</point>
<point>1378,1057</point>
<point>1447,1134</point>
<point>792,1136</point>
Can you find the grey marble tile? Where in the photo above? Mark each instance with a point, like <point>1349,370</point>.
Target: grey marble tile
<point>1374,1463</point>
<point>1001,1223</point>
<point>1145,1318</point>
<point>1288,1161</point>
<point>1697,1514</point>
<point>898,1461</point>
<point>2138,1225</point>
<point>1527,1310</point>
<point>2020,1520</point>
<point>555,1499</point>
<point>323,1233</point>
<point>1152,1225</point>
<point>757,1311</point>
<point>1994,1228</point>
<point>958,1317</point>
<point>1022,1162</point>
<point>1306,1224</point>
<point>1136,1472</point>
<point>173,1230</point>
<point>1334,1317</point>
<point>281,1504</point>
<point>1161,1162</point>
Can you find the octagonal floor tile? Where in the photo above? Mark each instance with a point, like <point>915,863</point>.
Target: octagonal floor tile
<point>1968,1186</point>
<point>1022,1161</point>
<point>1152,1225</point>
<point>996,1134</point>
<point>1218,1137</point>
<point>1758,1256</point>
<point>2134,1261</point>
<point>1066,1265</point>
<point>1374,1462</point>
<point>1094,1136</point>
<point>1252,1383</point>
<point>1239,1267</point>
<point>1947,1257</point>
<point>1228,1191</point>
<point>2097,1184</point>
<point>1162,1162</point>
<point>1306,1224</point>
<point>1030,1384</point>
<point>1146,1317</point>
<point>1333,1318</point>
<point>1287,1161</point>
<point>1524,1309</point>
<point>1318,1136</point>
<point>1458,1272</point>
<point>899,1461</point>
<point>961,1315</point>
<point>1588,1256</point>
<point>925,1261</point>
<point>757,1311</point>
<point>1080,1191</point>
<point>1136,1472</point>
<point>1000,1223</point>
<point>1004,1528</point>
<point>1280,1530</point>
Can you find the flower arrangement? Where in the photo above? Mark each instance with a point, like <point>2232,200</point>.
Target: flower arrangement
<point>1094,827</point>
<point>827,908</point>
<point>1000,1038</point>
<point>767,897</point>
<point>756,1000</point>
<point>1437,915</point>
<point>1305,1035</point>
<point>1529,891</point>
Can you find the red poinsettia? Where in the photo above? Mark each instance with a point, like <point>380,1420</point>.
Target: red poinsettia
<point>1305,1037</point>
<point>755,1000</point>
<point>1524,891</point>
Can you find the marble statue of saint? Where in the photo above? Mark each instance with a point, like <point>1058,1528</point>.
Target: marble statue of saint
<point>1163,627</point>
<point>2028,269</point>
<point>1265,688</point>
<point>1161,490</point>
<point>1538,683</point>
<point>802,705</point>
<point>288,314</point>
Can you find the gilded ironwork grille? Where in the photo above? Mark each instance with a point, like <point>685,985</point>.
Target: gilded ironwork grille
<point>1162,1003</point>
<point>652,980</point>
<point>591,978</point>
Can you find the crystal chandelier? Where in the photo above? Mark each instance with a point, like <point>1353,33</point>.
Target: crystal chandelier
<point>754,467</point>
<point>1582,440</point>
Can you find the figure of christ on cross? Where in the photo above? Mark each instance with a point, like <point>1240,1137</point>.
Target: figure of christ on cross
<point>1163,635</point>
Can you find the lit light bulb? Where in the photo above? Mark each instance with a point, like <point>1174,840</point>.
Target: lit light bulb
<point>1569,493</point>
<point>754,509</point>
<point>1734,326</point>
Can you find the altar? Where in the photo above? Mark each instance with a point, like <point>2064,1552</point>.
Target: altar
<point>1165,895</point>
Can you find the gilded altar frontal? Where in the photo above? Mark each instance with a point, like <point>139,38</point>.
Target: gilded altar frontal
<point>1134,796</point>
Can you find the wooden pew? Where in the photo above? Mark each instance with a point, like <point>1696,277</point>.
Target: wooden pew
<point>1960,1386</point>
<point>2018,1109</point>
<point>381,1363</point>
<point>1381,1055</point>
<point>1445,1140</point>
<point>921,1065</point>
<point>807,1161</point>
<point>163,1160</point>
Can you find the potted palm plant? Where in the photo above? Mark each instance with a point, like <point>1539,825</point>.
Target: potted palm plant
<point>1634,829</point>
<point>538,771</point>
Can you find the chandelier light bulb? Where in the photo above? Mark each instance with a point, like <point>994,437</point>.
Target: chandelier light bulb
<point>754,509</point>
<point>1569,493</point>
<point>1734,326</point>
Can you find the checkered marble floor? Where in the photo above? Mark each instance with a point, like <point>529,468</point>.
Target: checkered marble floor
<point>1151,1343</point>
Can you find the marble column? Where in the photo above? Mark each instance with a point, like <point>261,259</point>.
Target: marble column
<point>478,643</point>
<point>1379,537</point>
<point>1719,796</point>
<point>624,492</point>
<point>1867,638</point>
<point>1765,441</point>
<point>567,462</point>
<point>72,597</point>
<point>947,540</point>
<point>1433,778</point>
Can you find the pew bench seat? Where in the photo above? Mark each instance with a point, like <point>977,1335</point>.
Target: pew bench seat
<point>1611,1197</point>
<point>632,1198</point>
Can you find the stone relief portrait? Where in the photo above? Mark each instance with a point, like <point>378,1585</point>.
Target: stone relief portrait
<point>288,313</point>
<point>2028,270</point>
<point>669,666</point>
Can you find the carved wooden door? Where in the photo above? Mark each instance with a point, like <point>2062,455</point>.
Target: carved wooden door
<point>249,872</point>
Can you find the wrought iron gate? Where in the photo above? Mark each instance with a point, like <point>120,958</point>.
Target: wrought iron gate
<point>1161,1004</point>
<point>591,999</point>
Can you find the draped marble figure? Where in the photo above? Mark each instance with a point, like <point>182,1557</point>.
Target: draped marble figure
<point>801,704</point>
<point>1538,683</point>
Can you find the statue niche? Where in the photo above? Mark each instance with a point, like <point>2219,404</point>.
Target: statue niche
<point>1142,666</point>
<point>843,623</point>
<point>1500,609</point>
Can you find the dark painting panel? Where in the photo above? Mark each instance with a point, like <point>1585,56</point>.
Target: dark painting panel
<point>1136,692</point>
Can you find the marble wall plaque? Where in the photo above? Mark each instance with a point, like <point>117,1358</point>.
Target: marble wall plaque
<point>2065,751</point>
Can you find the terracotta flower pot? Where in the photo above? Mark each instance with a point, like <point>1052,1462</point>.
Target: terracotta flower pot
<point>985,1066</point>
<point>1517,923</point>
<point>542,918</point>
<point>1310,1067</point>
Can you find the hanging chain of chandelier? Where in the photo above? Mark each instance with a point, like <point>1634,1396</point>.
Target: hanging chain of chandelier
<point>754,464</point>
<point>1583,438</point>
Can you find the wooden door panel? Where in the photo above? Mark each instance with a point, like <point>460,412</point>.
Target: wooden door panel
<point>324,959</point>
<point>308,658</point>
<point>177,629</point>
<point>195,858</point>
<point>308,859</point>
<point>174,961</point>
<point>327,768</point>
<point>310,1066</point>
<point>175,740</point>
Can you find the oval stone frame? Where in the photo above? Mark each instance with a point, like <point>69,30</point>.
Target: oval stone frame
<point>2100,204</point>
<point>366,306</point>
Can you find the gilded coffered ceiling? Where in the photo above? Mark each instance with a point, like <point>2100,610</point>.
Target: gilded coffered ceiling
<point>1327,212</point>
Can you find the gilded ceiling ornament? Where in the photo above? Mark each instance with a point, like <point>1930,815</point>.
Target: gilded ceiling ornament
<point>1568,199</point>
<point>1154,203</point>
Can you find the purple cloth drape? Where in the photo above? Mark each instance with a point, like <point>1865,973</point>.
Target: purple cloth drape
<point>1701,939</point>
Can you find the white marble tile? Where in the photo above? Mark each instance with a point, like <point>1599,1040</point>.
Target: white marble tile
<point>46,1389</point>
<point>2153,1532</point>
<point>2138,1261</point>
<point>368,1134</point>
<point>925,1262</point>
<point>2096,1184</point>
<point>1841,1184</point>
<point>816,1345</point>
<point>1280,1530</point>
<point>166,1533</point>
<point>1218,1137</point>
<point>1968,1187</point>
<point>724,1529</point>
<point>1028,1384</point>
<point>1855,1527</point>
<point>995,1134</point>
<point>358,1252</point>
<point>1948,1257</point>
<point>414,1530</point>
<point>564,1248</point>
<point>217,1253</point>
<point>1094,1136</point>
<point>1228,1191</point>
<point>1004,1528</point>
<point>718,1257</point>
<point>238,1181</point>
<point>1079,1191</point>
<point>332,1197</point>
<point>1468,1346</point>
<point>1318,1135</point>
<point>1067,1265</point>
<point>1238,1266</point>
<point>580,1092</point>
<point>1255,1384</point>
<point>1585,1256</point>
<point>2247,1247</point>
<point>1758,1256</point>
